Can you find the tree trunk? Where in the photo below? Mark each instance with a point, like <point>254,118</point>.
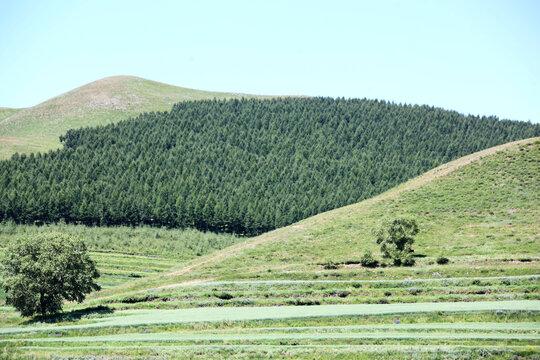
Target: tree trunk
<point>42,304</point>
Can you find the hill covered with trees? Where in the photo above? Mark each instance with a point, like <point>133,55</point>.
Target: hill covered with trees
<point>105,101</point>
<point>244,166</point>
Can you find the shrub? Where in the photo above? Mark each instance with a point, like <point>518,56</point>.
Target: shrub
<point>303,302</point>
<point>224,296</point>
<point>441,260</point>
<point>138,298</point>
<point>330,265</point>
<point>368,260</point>
<point>414,291</point>
<point>406,259</point>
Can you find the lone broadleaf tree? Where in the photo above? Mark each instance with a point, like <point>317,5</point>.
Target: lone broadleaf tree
<point>396,238</point>
<point>39,272</point>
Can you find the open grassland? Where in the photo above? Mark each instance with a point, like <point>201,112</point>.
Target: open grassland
<point>108,100</point>
<point>300,292</point>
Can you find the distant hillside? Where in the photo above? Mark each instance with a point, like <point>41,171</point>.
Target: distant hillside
<point>242,166</point>
<point>7,112</point>
<point>481,211</point>
<point>105,101</point>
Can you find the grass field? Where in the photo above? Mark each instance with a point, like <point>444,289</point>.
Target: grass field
<point>426,330</point>
<point>299,291</point>
<point>112,99</point>
<point>440,330</point>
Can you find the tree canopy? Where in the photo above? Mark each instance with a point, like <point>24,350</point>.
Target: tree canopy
<point>396,237</point>
<point>41,271</point>
<point>242,166</point>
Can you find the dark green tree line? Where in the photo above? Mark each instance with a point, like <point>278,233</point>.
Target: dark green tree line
<point>243,166</point>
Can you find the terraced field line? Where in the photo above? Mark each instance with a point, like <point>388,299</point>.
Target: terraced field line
<point>216,314</point>
<point>470,326</point>
<point>356,348</point>
<point>173,337</point>
<point>278,282</point>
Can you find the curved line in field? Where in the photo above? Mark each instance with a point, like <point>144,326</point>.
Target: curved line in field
<point>193,315</point>
<point>172,337</point>
<point>278,282</point>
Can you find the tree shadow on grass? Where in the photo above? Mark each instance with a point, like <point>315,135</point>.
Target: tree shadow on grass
<point>73,315</point>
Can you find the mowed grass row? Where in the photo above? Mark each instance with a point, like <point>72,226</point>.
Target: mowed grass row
<point>328,292</point>
<point>396,325</point>
<point>282,351</point>
<point>499,320</point>
<point>217,314</point>
<point>116,269</point>
<point>258,338</point>
<point>519,341</point>
<point>387,336</point>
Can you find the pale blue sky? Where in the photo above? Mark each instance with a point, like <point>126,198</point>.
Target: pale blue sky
<point>479,57</point>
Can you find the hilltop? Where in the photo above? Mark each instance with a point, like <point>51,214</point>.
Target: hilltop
<point>104,101</point>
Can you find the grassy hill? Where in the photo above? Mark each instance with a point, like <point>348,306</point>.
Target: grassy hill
<point>299,292</point>
<point>7,112</point>
<point>481,211</point>
<point>104,101</point>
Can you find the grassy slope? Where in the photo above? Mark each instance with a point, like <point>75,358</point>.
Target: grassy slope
<point>7,112</point>
<point>107,100</point>
<point>481,211</point>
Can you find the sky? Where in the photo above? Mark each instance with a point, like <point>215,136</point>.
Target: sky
<point>478,57</point>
